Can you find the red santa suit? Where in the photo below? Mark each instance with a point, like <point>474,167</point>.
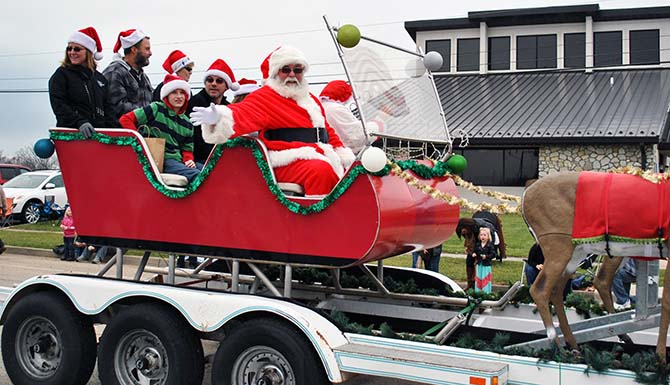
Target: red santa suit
<point>302,147</point>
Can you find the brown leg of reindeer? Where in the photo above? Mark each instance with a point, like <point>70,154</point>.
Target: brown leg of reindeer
<point>557,301</point>
<point>603,281</point>
<point>665,319</point>
<point>557,250</point>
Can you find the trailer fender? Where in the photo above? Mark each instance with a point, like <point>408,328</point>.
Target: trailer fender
<point>205,311</point>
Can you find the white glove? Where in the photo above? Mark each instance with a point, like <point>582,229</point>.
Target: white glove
<point>205,115</point>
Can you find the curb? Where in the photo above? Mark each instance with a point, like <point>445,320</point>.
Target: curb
<point>35,252</point>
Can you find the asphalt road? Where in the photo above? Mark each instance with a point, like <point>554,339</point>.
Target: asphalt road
<point>17,268</point>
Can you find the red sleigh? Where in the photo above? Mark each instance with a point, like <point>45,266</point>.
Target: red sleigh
<point>236,210</point>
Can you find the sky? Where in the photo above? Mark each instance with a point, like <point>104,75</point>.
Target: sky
<point>34,35</point>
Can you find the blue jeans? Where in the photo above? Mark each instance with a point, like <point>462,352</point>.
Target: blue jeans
<point>531,274</point>
<point>415,259</point>
<point>621,287</point>
<point>171,166</point>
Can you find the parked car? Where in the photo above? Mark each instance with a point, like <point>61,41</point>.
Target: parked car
<point>9,171</point>
<point>31,191</point>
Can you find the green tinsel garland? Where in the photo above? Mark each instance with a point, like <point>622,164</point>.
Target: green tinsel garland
<point>439,170</point>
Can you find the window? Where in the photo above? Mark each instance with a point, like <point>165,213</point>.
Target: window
<point>468,55</point>
<point>57,180</point>
<point>574,50</point>
<point>499,53</point>
<point>644,47</point>
<point>8,173</point>
<point>443,47</point>
<point>536,51</point>
<point>607,49</point>
<point>498,167</point>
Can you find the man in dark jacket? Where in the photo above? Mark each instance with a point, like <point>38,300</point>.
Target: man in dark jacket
<point>129,86</point>
<point>217,80</point>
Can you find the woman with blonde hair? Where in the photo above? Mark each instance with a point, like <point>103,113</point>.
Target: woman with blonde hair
<point>77,91</point>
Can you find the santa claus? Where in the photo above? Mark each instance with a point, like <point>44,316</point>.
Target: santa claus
<point>302,147</point>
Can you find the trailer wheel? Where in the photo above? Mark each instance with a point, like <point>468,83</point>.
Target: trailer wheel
<point>266,351</point>
<point>46,341</point>
<point>149,344</point>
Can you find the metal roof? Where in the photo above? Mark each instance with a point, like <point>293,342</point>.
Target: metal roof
<point>558,107</point>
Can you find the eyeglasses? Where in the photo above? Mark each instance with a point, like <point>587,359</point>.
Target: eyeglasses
<point>210,79</point>
<point>75,49</point>
<point>189,69</point>
<point>296,70</point>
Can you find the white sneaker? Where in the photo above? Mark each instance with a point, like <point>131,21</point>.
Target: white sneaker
<point>622,307</point>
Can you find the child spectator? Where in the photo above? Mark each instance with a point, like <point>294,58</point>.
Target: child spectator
<point>168,117</point>
<point>483,254</point>
<point>67,225</point>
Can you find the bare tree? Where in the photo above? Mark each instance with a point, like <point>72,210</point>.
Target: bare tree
<point>26,156</point>
<point>4,158</point>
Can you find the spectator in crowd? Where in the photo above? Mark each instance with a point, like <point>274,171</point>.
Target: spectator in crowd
<point>534,264</point>
<point>218,79</point>
<point>129,86</point>
<point>3,211</point>
<point>470,267</point>
<point>247,86</point>
<point>302,147</point>
<point>67,225</point>
<point>176,63</point>
<point>624,277</point>
<point>336,97</point>
<point>168,117</point>
<point>430,258</point>
<point>77,91</point>
<point>484,253</point>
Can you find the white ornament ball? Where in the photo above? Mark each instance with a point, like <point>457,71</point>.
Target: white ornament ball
<point>415,68</point>
<point>373,159</point>
<point>433,61</point>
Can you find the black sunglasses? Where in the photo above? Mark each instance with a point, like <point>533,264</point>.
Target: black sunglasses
<point>75,49</point>
<point>296,70</point>
<point>189,69</point>
<point>210,79</point>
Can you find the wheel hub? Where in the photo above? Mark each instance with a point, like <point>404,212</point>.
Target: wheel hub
<point>141,359</point>
<point>262,365</point>
<point>38,347</point>
<point>270,375</point>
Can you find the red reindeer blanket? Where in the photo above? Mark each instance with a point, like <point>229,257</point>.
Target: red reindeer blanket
<point>629,208</point>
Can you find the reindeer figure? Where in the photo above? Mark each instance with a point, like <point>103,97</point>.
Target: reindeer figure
<point>557,211</point>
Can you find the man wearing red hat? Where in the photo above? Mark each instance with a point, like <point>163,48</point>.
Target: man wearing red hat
<point>335,97</point>
<point>302,147</point>
<point>218,79</point>
<point>130,87</point>
<point>176,63</point>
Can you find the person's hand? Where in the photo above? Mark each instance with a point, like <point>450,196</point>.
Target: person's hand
<point>539,267</point>
<point>87,130</point>
<point>189,163</point>
<point>483,256</point>
<point>204,115</point>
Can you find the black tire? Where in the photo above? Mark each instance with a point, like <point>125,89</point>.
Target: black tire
<point>156,343</point>
<point>31,212</point>
<point>46,341</point>
<point>267,346</point>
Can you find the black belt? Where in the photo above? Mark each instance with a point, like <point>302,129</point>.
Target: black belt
<point>306,135</point>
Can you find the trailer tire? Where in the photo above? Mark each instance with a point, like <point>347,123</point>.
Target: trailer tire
<point>46,341</point>
<point>270,348</point>
<point>151,343</point>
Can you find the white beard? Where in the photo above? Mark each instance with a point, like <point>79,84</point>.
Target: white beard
<point>297,91</point>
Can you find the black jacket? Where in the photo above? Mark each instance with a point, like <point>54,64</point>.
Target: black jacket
<point>488,250</point>
<point>201,149</point>
<point>77,96</point>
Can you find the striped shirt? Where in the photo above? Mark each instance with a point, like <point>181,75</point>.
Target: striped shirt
<point>176,129</point>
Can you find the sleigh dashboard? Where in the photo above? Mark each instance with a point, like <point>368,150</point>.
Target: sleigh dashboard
<point>235,209</point>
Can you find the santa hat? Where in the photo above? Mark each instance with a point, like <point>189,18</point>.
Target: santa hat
<point>336,91</point>
<point>247,86</point>
<point>280,57</point>
<point>175,61</point>
<point>88,37</point>
<point>174,82</point>
<point>221,69</point>
<point>129,38</point>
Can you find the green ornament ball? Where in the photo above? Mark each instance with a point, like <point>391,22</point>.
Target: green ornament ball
<point>457,163</point>
<point>348,36</point>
